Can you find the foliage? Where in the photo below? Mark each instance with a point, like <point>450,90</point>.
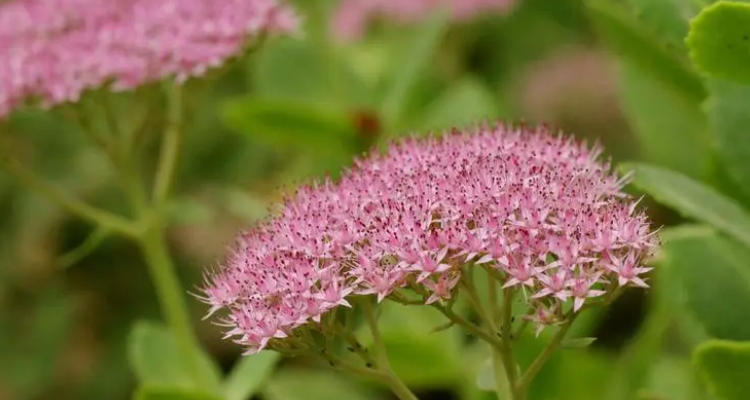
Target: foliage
<point>301,107</point>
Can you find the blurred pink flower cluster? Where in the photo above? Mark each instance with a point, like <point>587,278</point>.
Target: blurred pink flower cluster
<point>537,209</point>
<point>53,50</point>
<point>353,16</point>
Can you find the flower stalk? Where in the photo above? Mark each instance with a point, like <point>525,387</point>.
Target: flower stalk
<point>147,229</point>
<point>396,385</point>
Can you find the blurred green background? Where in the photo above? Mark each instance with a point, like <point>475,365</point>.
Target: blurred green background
<point>297,108</point>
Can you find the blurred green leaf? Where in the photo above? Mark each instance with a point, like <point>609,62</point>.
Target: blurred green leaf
<point>414,59</point>
<point>185,210</point>
<point>719,41</point>
<point>635,363</point>
<point>670,126</point>
<point>692,199</point>
<point>296,70</point>
<point>583,375</point>
<point>667,19</point>
<point>728,109</point>
<point>171,393</point>
<point>716,279</point>
<point>624,37</point>
<point>244,204</point>
<point>486,381</point>
<point>248,376</point>
<point>486,377</point>
<point>291,124</point>
<point>300,384</point>
<point>26,365</point>
<point>156,360</point>
<point>577,343</point>
<point>464,102</point>
<point>726,366</point>
<point>671,378</point>
<point>418,356</point>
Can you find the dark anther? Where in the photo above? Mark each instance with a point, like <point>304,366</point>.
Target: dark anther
<point>332,363</point>
<point>350,349</point>
<point>513,318</point>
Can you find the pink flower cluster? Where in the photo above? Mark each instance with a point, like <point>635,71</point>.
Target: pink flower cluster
<point>353,16</point>
<point>538,209</point>
<point>53,50</point>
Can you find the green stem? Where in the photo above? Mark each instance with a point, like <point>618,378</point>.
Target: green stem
<point>394,382</point>
<point>91,243</point>
<point>503,357</point>
<point>170,147</point>
<point>74,206</point>
<point>543,357</point>
<point>171,298</point>
<point>154,247</point>
<point>470,327</point>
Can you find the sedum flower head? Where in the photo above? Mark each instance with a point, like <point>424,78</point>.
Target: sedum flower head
<point>538,211</point>
<point>53,50</point>
<point>353,16</point>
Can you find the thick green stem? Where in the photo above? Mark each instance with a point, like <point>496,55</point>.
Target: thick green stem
<point>396,385</point>
<point>503,357</point>
<point>154,247</point>
<point>170,147</point>
<point>543,357</point>
<point>172,299</point>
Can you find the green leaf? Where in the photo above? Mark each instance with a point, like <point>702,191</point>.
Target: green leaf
<point>243,204</point>
<point>152,392</point>
<point>420,357</point>
<point>302,384</point>
<point>27,345</point>
<point>297,70</point>
<point>156,360</point>
<point>623,35</point>
<point>291,124</point>
<point>728,109</point>
<point>486,377</point>
<point>463,103</point>
<point>719,41</point>
<point>670,126</point>
<point>638,359</point>
<point>693,199</point>
<point>250,373</point>
<point>671,378</point>
<point>726,367</point>
<point>584,375</point>
<point>667,19</point>
<point>486,381</point>
<point>416,56</point>
<point>577,343</point>
<point>716,279</point>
